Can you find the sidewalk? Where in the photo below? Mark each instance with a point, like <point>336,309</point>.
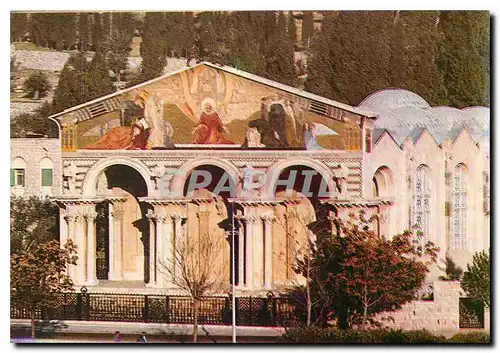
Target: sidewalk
<point>153,329</point>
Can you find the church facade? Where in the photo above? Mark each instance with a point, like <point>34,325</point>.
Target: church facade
<point>131,164</point>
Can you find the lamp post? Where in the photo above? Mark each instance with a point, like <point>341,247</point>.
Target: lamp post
<point>233,277</point>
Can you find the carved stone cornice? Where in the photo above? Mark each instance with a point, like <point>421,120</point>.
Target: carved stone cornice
<point>358,202</point>
<point>164,202</point>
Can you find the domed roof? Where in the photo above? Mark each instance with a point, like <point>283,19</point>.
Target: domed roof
<point>392,98</point>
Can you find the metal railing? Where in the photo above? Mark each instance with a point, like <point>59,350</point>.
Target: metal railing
<point>154,308</point>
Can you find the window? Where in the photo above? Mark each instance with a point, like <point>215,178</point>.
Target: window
<point>46,167</point>
<point>46,177</point>
<point>17,177</point>
<point>17,172</point>
<point>459,209</point>
<point>422,200</point>
<point>368,141</point>
<point>68,138</point>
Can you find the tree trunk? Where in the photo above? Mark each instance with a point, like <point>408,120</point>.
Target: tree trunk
<point>32,321</point>
<point>195,326</point>
<point>365,307</point>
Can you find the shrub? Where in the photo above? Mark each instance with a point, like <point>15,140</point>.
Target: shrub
<point>314,334</point>
<point>37,85</point>
<point>471,337</point>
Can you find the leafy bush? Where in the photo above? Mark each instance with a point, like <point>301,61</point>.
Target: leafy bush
<point>417,336</point>
<point>471,337</point>
<point>315,334</point>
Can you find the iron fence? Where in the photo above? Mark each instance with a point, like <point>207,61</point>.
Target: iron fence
<point>154,308</point>
<point>471,313</point>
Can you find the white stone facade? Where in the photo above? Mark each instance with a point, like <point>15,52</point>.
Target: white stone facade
<point>35,154</point>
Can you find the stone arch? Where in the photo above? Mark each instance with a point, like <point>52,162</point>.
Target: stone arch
<point>275,171</point>
<point>183,172</point>
<point>383,182</point>
<point>90,181</point>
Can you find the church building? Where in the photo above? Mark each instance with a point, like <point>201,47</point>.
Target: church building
<point>129,168</point>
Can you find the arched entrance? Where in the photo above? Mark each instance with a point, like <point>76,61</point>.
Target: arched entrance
<point>209,212</point>
<point>122,231</point>
<point>299,190</point>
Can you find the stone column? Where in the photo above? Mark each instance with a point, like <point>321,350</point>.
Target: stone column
<point>167,258</point>
<point>177,234</point>
<point>268,254</point>
<point>81,242</point>
<point>71,219</point>
<point>116,245</point>
<point>153,230</point>
<point>249,232</point>
<point>91,278</point>
<point>258,253</point>
<point>161,274</point>
<point>241,252</point>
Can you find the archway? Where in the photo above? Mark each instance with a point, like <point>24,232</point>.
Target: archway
<point>299,217</point>
<point>209,189</point>
<point>382,183</point>
<point>122,230</point>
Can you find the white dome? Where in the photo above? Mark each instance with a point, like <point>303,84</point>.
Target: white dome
<point>392,98</point>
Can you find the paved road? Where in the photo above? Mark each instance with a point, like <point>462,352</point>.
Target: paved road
<point>18,336</point>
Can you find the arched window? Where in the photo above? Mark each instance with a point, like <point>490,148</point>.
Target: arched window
<point>17,172</point>
<point>459,209</point>
<point>382,183</point>
<point>422,192</point>
<point>46,167</point>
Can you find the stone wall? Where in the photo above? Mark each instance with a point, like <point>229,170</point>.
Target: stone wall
<point>18,108</point>
<point>438,315</point>
<point>32,150</point>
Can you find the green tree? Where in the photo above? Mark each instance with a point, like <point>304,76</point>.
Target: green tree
<point>83,31</point>
<point>53,30</point>
<point>36,122</point>
<point>153,46</point>
<point>352,46</point>
<point>476,280</point>
<point>32,221</point>
<point>451,270</point>
<point>72,88</point>
<point>97,33</point>
<point>117,46</point>
<point>464,57</point>
<point>38,276</point>
<point>279,63</point>
<point>355,274</point>
<point>37,85</point>
<point>99,82</point>
<point>18,26</point>
<point>415,41</point>
<point>307,28</point>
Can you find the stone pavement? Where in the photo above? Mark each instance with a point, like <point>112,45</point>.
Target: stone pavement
<point>172,333</point>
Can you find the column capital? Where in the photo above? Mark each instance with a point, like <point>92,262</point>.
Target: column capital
<point>178,216</point>
<point>163,219</point>
<point>203,214</point>
<point>90,216</point>
<point>117,214</point>
<point>268,218</point>
<point>71,217</point>
<point>249,219</point>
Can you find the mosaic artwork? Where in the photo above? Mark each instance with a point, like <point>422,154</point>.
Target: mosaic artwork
<point>205,106</point>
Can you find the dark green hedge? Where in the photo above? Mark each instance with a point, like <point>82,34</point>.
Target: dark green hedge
<point>314,334</point>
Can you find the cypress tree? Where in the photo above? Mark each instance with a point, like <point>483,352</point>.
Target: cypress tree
<point>153,46</point>
<point>279,53</point>
<point>464,57</point>
<point>83,31</point>
<point>307,28</point>
<point>99,82</point>
<point>414,55</point>
<point>18,26</point>
<point>117,46</point>
<point>358,51</point>
<point>97,33</point>
<point>72,87</point>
